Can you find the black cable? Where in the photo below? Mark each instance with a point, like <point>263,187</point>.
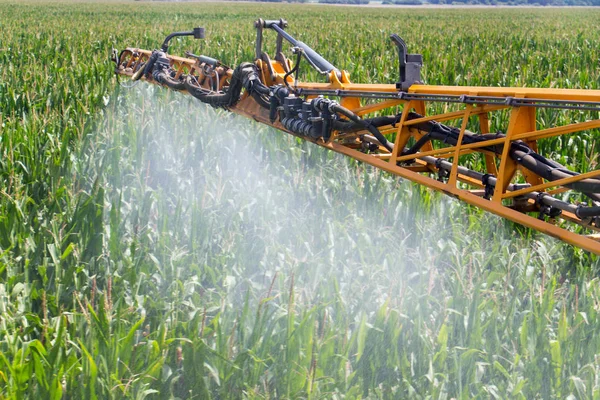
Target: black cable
<point>293,70</point>
<point>164,78</point>
<point>519,151</point>
<point>227,98</point>
<point>351,127</point>
<point>368,126</point>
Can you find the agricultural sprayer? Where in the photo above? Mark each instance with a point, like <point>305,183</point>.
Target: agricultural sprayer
<point>513,180</point>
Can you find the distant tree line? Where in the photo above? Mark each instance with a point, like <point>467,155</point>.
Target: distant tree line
<point>320,1</point>
<point>498,2</point>
<point>344,1</point>
<point>458,2</point>
<point>510,2</point>
<point>404,2</point>
<point>281,1</point>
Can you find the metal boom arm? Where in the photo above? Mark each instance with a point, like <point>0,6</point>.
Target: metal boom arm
<point>513,180</point>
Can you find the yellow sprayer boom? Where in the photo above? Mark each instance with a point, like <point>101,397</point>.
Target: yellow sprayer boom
<point>405,137</point>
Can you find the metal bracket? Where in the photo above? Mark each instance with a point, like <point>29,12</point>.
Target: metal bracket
<point>488,187</point>
<point>443,174</point>
<point>410,65</point>
<point>197,33</point>
<point>546,210</point>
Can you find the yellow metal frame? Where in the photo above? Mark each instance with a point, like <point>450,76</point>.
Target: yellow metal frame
<point>521,126</point>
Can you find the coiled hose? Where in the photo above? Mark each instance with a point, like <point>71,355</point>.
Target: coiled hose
<point>244,76</point>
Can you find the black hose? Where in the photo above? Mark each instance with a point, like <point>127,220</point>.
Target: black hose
<point>244,76</point>
<point>150,63</point>
<point>225,99</point>
<point>419,143</point>
<point>261,100</point>
<point>259,92</point>
<point>165,79</point>
<point>587,212</point>
<point>519,151</point>
<point>589,185</point>
<point>365,124</point>
<point>293,70</point>
<point>580,211</point>
<point>351,127</point>
<point>118,59</point>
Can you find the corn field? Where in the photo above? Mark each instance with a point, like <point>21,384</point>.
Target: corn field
<point>153,247</point>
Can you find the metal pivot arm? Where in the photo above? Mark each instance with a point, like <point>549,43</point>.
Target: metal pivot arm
<point>259,25</point>
<point>410,65</point>
<point>314,59</point>
<point>197,33</point>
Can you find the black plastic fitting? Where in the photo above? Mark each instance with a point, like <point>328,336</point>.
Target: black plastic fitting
<point>197,33</point>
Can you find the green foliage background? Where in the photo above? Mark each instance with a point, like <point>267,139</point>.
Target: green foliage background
<point>153,247</point>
